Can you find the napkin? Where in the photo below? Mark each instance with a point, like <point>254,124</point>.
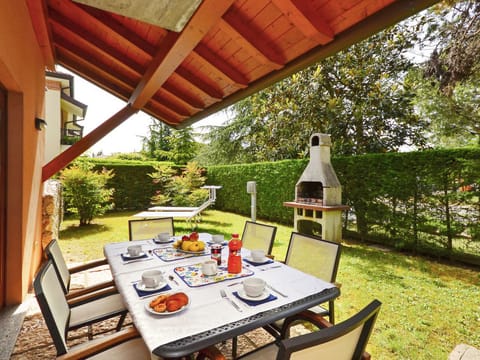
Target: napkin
<point>271,297</point>
<point>128,258</point>
<point>269,261</point>
<point>142,293</point>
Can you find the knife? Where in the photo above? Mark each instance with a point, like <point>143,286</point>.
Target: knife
<point>137,260</point>
<point>278,292</point>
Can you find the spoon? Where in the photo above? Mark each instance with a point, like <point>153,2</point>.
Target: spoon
<point>171,278</point>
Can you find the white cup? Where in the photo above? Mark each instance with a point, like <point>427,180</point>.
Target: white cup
<point>152,278</point>
<point>253,286</point>
<point>217,239</point>
<point>134,250</point>
<point>209,268</point>
<point>162,237</point>
<point>258,255</point>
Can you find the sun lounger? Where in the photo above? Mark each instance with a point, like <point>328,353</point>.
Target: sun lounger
<point>192,215</point>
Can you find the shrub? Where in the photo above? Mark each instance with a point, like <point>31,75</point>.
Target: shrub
<point>84,191</point>
<point>180,190</point>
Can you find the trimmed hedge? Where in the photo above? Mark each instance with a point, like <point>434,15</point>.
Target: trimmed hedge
<point>420,201</point>
<point>133,187</point>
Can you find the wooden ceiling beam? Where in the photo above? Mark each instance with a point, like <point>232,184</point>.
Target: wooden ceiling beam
<point>178,47</point>
<point>306,20</point>
<point>76,33</point>
<point>113,86</point>
<point>165,113</point>
<point>198,83</point>
<point>39,15</point>
<point>179,110</point>
<point>110,25</point>
<point>98,64</point>
<point>182,96</point>
<point>77,149</point>
<point>388,16</point>
<point>252,43</point>
<point>155,112</point>
<point>220,66</point>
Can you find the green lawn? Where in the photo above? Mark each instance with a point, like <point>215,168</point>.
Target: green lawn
<point>428,306</point>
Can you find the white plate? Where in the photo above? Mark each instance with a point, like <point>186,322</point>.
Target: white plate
<point>141,286</point>
<point>128,256</point>
<point>165,313</point>
<point>249,258</point>
<point>244,296</point>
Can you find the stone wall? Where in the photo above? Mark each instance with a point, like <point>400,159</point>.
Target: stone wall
<point>52,211</point>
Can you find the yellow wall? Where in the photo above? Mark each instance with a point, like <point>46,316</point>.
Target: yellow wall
<point>22,75</point>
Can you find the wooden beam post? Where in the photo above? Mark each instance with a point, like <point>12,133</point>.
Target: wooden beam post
<point>64,158</point>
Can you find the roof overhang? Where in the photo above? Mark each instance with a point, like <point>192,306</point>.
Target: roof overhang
<point>227,50</point>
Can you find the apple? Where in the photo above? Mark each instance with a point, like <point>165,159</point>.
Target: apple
<point>185,238</point>
<point>193,236</point>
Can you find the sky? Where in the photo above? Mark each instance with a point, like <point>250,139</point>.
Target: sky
<point>127,137</point>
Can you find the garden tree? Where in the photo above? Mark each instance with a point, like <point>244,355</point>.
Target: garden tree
<point>358,96</point>
<point>453,118</point>
<point>183,147</point>
<point>84,191</point>
<point>179,190</point>
<point>448,94</point>
<point>166,144</point>
<point>157,145</point>
<point>452,30</point>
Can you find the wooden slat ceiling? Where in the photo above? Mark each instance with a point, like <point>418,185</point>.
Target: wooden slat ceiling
<point>228,50</point>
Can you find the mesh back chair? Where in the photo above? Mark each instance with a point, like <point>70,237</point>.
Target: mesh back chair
<point>141,229</point>
<point>64,273</point>
<point>60,318</point>
<point>345,341</point>
<point>258,236</point>
<point>316,257</point>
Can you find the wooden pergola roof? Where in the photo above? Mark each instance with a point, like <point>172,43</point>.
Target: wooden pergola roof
<point>228,50</point>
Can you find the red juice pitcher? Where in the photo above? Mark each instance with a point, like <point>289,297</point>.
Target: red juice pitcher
<point>234,257</point>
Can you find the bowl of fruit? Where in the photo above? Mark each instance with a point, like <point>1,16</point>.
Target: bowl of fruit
<point>190,244</point>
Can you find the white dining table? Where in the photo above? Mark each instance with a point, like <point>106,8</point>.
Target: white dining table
<point>209,319</point>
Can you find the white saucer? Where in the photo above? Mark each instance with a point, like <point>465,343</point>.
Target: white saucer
<point>157,241</point>
<point>244,296</point>
<point>128,256</point>
<point>165,313</point>
<point>141,286</point>
<point>265,260</point>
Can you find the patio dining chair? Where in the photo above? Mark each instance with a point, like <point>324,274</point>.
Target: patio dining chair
<point>258,236</point>
<point>344,341</point>
<point>141,229</point>
<point>64,273</point>
<point>315,256</point>
<point>61,318</point>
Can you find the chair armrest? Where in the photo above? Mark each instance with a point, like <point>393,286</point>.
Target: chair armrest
<point>88,265</point>
<point>306,315</point>
<point>104,344</point>
<point>90,289</point>
<point>81,299</point>
<point>313,318</point>
<point>211,353</point>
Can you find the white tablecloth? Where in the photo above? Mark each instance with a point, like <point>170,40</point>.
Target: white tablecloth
<point>207,309</point>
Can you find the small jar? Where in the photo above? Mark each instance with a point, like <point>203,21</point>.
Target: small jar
<point>216,253</point>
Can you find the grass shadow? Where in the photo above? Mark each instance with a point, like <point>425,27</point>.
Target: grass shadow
<point>74,232</point>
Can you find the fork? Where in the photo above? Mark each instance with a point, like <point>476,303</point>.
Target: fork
<point>224,295</point>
